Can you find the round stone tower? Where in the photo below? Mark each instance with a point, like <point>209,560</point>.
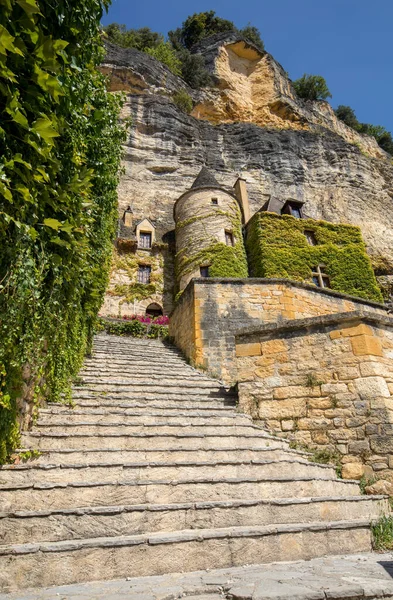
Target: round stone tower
<point>209,240</point>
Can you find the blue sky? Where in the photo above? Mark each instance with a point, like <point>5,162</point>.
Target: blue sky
<point>349,42</point>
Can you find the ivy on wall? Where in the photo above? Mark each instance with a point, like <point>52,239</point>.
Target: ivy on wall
<point>126,265</point>
<point>61,146</point>
<point>277,247</point>
<point>223,260</point>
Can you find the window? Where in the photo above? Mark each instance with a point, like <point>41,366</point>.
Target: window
<point>229,238</point>
<point>145,239</point>
<point>319,277</point>
<point>204,271</point>
<point>215,201</point>
<point>144,272</point>
<point>310,236</point>
<point>292,208</point>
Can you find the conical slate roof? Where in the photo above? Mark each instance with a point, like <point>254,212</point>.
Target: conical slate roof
<point>205,179</point>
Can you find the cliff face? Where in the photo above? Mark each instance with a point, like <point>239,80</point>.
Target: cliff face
<point>281,145</point>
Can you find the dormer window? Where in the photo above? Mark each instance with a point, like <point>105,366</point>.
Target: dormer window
<point>293,208</point>
<point>319,277</point>
<point>215,201</point>
<point>204,271</point>
<point>310,237</point>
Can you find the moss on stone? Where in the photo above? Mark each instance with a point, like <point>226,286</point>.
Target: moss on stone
<point>277,247</point>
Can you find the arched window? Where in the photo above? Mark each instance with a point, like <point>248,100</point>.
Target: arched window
<point>154,310</point>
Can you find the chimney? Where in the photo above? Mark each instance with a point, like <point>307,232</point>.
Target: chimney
<point>127,217</point>
<point>241,194</point>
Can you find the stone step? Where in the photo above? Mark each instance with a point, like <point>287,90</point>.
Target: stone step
<point>134,362</point>
<point>118,427</point>
<point>50,563</point>
<point>210,401</point>
<point>154,453</point>
<point>117,470</point>
<point>141,367</point>
<point>106,403</point>
<point>20,527</point>
<point>185,386</point>
<point>49,441</point>
<point>99,493</point>
<point>60,411</point>
<point>74,417</point>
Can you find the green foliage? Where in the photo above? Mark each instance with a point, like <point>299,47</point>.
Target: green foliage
<point>183,101</point>
<point>383,533</point>
<point>347,115</point>
<point>193,69</point>
<point>223,260</point>
<point>277,247</point>
<point>135,291</point>
<point>312,381</point>
<point>252,33</point>
<point>134,328</point>
<point>199,26</point>
<point>312,87</point>
<point>167,55</point>
<point>61,147</point>
<point>142,39</point>
<point>383,137</point>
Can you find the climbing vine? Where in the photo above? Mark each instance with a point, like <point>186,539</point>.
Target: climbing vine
<point>61,146</point>
<point>125,265</point>
<point>277,247</point>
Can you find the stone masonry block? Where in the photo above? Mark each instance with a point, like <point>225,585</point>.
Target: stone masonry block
<point>253,349</point>
<point>372,387</point>
<point>273,347</point>
<point>366,344</point>
<point>296,391</point>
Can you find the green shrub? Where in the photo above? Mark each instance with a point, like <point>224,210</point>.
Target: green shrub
<point>383,533</point>
<point>312,87</point>
<point>183,101</point>
<point>383,137</point>
<point>134,328</point>
<point>60,143</point>
<point>167,55</point>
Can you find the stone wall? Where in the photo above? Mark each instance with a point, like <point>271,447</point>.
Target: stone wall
<point>221,307</point>
<point>324,382</point>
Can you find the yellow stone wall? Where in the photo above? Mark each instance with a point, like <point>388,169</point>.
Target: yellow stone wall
<point>223,307</point>
<point>326,386</point>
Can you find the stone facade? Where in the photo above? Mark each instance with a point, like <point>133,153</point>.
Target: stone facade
<point>125,295</point>
<point>215,309</point>
<point>326,383</point>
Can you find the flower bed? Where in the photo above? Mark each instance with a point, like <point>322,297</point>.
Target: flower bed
<point>140,326</point>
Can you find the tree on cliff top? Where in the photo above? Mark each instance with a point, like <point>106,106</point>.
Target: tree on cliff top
<point>202,25</point>
<point>312,87</point>
<point>347,115</point>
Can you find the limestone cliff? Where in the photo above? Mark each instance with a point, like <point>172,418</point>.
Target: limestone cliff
<point>250,122</point>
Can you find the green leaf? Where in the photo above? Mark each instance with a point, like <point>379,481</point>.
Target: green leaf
<point>48,83</point>
<point>18,158</point>
<point>6,42</point>
<point>53,224</point>
<point>24,191</point>
<point>29,6</point>
<point>44,127</point>
<point>5,192</point>
<point>60,242</point>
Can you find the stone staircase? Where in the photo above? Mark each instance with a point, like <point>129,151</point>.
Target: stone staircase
<point>154,471</point>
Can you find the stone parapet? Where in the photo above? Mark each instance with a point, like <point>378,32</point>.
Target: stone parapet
<point>324,382</point>
<point>210,312</point>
